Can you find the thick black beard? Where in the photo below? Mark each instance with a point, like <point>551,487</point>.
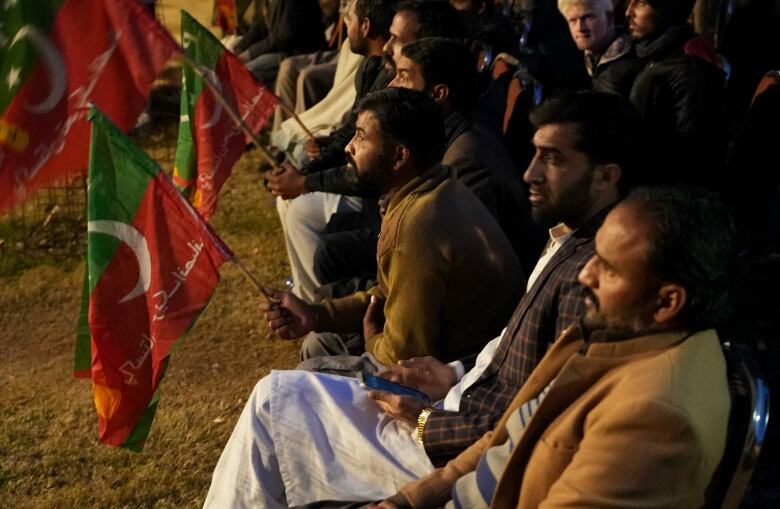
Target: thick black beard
<point>369,183</point>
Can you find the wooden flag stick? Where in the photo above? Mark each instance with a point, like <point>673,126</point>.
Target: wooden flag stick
<point>294,115</point>
<point>252,279</point>
<point>227,107</point>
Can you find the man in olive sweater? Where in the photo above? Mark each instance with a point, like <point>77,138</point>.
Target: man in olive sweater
<point>449,276</point>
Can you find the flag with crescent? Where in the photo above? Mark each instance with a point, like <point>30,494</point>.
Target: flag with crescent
<point>152,266</point>
<point>57,57</point>
<point>209,142</point>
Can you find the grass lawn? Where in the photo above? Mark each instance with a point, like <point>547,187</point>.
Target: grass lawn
<point>49,455</point>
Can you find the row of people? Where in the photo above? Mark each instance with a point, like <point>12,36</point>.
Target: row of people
<point>616,327</point>
<point>650,285</point>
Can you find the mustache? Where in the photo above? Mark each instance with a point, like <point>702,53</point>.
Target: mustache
<point>593,298</point>
<point>350,161</point>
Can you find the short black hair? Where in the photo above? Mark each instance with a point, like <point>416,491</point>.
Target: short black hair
<point>693,243</point>
<point>379,12</point>
<point>436,18</point>
<point>447,62</point>
<point>610,129</point>
<point>409,118</point>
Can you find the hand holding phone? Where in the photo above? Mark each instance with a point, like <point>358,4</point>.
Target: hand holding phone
<point>373,382</point>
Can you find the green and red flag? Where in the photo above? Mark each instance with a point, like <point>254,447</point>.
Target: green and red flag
<point>56,57</point>
<point>209,142</point>
<point>152,266</point>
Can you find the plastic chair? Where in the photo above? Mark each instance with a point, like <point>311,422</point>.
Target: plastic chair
<point>747,427</point>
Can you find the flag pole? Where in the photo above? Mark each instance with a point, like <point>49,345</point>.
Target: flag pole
<point>298,120</point>
<point>227,107</point>
<point>252,279</point>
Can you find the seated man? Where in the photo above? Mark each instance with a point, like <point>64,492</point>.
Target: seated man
<point>368,23</point>
<point>448,273</point>
<point>291,27</point>
<point>631,409</point>
<point>339,445</point>
<point>305,209</point>
<point>445,70</point>
<point>679,92</point>
<point>609,53</point>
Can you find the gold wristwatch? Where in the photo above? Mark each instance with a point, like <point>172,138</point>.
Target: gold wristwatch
<point>421,420</point>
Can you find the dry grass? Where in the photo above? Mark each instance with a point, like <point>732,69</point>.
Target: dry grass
<point>48,443</point>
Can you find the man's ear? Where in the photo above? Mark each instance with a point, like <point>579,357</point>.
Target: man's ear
<point>607,174</point>
<point>401,157</point>
<point>365,27</point>
<point>669,303</point>
<point>440,93</point>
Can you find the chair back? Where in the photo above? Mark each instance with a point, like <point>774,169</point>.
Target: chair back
<point>747,428</point>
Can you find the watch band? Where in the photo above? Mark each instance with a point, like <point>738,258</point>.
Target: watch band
<point>421,420</point>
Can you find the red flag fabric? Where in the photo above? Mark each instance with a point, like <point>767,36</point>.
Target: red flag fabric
<point>152,265</point>
<point>209,141</point>
<point>104,52</point>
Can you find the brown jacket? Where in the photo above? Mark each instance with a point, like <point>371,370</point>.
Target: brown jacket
<point>634,423</point>
<point>449,274</point>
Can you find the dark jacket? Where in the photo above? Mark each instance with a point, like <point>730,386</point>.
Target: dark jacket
<point>483,164</point>
<point>679,92</point>
<point>554,302</point>
<point>371,76</point>
<point>292,27</point>
<point>615,70</point>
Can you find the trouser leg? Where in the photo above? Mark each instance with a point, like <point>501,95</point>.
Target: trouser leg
<point>303,221</point>
<point>265,67</point>
<point>247,474</point>
<point>286,80</point>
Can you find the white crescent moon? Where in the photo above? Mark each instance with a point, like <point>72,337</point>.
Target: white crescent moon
<point>137,243</point>
<point>186,39</point>
<point>54,66</point>
<point>217,113</point>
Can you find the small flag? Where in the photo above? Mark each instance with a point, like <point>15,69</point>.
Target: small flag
<point>152,266</point>
<point>57,57</point>
<point>209,142</point>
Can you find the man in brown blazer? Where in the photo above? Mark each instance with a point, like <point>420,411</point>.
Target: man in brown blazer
<point>631,408</point>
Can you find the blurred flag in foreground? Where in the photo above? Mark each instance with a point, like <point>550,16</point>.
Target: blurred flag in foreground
<point>57,57</point>
<point>152,266</point>
<point>209,142</point>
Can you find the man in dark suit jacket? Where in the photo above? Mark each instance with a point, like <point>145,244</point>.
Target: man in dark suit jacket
<point>585,145</point>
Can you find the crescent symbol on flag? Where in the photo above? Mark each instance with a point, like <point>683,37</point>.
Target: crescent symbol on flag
<point>137,244</point>
<point>217,113</point>
<point>54,66</point>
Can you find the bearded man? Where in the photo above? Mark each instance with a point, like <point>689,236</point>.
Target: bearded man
<point>631,408</point>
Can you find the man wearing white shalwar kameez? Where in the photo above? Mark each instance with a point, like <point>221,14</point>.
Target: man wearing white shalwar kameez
<point>305,437</point>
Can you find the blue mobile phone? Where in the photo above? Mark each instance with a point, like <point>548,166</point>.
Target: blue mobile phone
<point>369,381</point>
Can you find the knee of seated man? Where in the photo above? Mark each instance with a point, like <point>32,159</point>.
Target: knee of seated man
<point>306,210</point>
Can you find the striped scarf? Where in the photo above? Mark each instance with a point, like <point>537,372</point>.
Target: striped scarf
<point>475,490</point>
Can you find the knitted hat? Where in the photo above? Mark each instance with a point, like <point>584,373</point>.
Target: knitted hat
<point>675,12</point>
